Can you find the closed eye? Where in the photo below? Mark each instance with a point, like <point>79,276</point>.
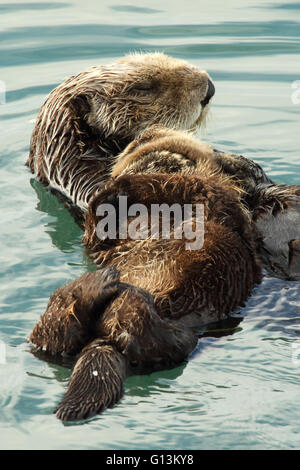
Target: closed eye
<point>145,85</point>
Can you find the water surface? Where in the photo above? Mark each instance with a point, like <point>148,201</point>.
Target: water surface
<point>240,390</point>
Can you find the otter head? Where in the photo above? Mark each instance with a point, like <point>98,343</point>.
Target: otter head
<point>140,90</point>
<point>93,115</point>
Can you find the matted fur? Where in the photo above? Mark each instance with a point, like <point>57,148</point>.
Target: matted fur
<point>143,311</point>
<point>92,116</point>
<point>274,209</point>
<point>148,318</point>
<point>160,266</point>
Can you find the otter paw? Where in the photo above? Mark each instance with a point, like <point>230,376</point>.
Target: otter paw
<point>69,319</point>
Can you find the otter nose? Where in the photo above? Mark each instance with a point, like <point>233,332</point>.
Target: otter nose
<point>210,93</point>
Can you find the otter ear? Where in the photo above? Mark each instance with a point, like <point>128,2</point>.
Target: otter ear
<point>81,106</point>
<point>96,382</point>
<point>97,112</point>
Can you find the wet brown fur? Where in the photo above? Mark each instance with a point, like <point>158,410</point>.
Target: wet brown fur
<point>164,267</point>
<point>149,317</point>
<point>143,310</point>
<point>92,116</point>
<point>274,209</point>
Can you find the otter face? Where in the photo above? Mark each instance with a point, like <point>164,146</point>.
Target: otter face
<point>145,89</point>
<point>95,114</point>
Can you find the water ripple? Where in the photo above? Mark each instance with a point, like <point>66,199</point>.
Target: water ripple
<point>240,388</point>
<point>15,7</point>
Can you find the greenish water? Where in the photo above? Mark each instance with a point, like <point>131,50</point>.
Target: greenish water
<point>238,391</point>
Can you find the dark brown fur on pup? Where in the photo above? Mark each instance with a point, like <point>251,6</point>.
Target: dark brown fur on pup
<point>274,209</point>
<point>113,326</point>
<point>92,116</point>
<point>202,279</point>
<point>148,318</point>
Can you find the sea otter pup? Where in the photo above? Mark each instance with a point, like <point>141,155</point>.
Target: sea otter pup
<point>141,311</point>
<point>274,209</point>
<point>92,116</point>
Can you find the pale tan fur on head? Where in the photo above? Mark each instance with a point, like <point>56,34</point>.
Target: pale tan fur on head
<point>92,116</point>
<point>145,89</point>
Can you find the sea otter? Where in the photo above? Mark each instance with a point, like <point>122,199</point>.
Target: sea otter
<point>274,209</point>
<point>148,317</point>
<point>141,310</point>
<point>92,116</point>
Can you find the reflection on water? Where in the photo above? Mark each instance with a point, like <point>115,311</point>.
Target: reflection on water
<point>62,227</point>
<point>240,387</point>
